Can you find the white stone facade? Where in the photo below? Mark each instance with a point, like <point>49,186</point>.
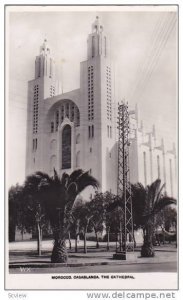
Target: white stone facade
<point>78,129</point>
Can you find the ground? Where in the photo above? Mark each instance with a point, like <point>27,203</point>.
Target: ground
<point>23,257</point>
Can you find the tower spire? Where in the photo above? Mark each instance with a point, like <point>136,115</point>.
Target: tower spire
<point>97,42</point>
<point>96,27</point>
<point>44,64</point>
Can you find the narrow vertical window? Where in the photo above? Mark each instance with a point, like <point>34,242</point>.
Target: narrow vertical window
<point>105,45</point>
<point>93,46</point>
<point>110,132</point>
<point>92,131</point>
<point>107,130</point>
<point>50,67</point>
<point>57,120</point>
<point>89,131</point>
<point>34,144</point>
<point>52,126</point>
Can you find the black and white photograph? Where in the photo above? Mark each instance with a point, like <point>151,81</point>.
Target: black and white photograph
<point>91,101</point>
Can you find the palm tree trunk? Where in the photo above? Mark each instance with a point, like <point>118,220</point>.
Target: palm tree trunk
<point>76,244</point>
<point>85,247</point>
<point>97,242</point>
<point>108,239</point>
<point>38,239</point>
<point>147,249</point>
<point>69,235</point>
<point>116,241</point>
<point>59,253</point>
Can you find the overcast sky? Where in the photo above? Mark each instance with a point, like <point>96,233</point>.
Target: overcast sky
<point>143,47</point>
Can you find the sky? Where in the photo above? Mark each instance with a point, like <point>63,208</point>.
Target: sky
<point>143,48</point>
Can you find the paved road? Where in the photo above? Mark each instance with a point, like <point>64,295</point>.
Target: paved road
<point>132,268</point>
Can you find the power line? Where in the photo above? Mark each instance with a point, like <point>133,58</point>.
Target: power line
<point>155,60</point>
<point>154,53</point>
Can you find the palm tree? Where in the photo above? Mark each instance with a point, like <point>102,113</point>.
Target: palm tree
<point>58,196</point>
<point>147,202</point>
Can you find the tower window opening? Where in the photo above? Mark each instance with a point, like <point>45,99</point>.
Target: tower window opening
<point>92,130</point>
<point>57,120</point>
<point>107,130</point>
<point>35,109</point>
<point>105,46</point>
<point>52,126</point>
<point>110,132</point>
<point>93,46</point>
<point>34,145</point>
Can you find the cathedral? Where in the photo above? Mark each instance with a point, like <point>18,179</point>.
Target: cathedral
<point>78,129</point>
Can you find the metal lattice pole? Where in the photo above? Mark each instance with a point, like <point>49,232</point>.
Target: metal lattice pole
<point>124,187</point>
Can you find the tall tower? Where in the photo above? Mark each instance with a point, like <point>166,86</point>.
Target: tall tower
<point>41,87</point>
<point>98,110</point>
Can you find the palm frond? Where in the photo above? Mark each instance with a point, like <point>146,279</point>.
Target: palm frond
<point>75,174</point>
<point>72,189</point>
<point>162,203</point>
<point>56,178</point>
<point>160,192</point>
<point>85,180</point>
<point>65,179</point>
<point>138,191</point>
<point>153,191</point>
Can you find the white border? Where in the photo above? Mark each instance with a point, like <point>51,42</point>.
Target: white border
<point>46,295</point>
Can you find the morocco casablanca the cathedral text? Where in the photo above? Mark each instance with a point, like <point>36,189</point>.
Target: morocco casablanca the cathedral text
<point>78,129</point>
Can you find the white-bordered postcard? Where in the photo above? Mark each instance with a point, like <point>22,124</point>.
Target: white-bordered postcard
<point>91,98</point>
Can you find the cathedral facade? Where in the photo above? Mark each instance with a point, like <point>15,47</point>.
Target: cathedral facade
<point>78,129</point>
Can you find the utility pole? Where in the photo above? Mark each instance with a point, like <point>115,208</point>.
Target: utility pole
<point>123,185</point>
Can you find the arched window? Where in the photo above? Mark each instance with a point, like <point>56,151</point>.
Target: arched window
<point>66,147</point>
